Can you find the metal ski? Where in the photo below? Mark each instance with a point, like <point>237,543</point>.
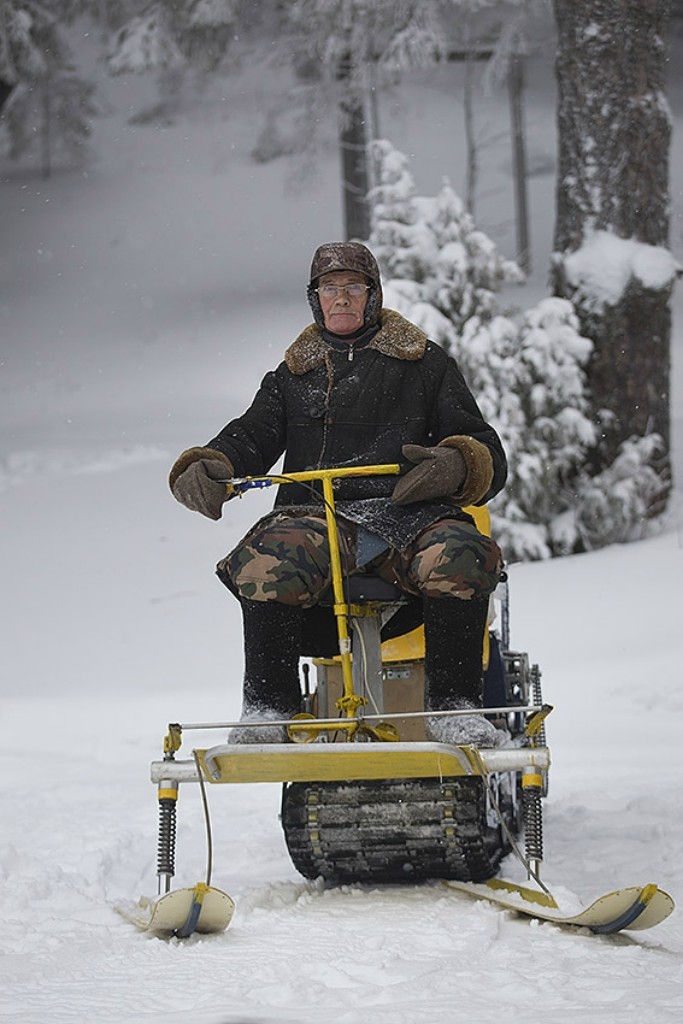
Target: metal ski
<point>632,908</point>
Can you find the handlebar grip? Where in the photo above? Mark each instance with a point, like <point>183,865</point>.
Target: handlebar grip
<point>245,485</point>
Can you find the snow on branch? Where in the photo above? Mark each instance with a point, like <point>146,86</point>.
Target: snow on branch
<point>602,268</point>
<point>212,13</point>
<point>144,43</point>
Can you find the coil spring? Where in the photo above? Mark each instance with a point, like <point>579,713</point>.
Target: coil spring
<point>166,846</point>
<point>533,824</point>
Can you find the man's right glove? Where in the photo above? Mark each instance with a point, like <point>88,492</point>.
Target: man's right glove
<point>195,480</point>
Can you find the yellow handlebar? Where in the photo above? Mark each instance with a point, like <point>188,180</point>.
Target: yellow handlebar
<point>387,469</point>
<point>336,473</point>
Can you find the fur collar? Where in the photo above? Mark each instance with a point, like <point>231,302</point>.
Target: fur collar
<point>397,338</point>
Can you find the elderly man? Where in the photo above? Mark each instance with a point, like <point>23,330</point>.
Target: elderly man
<point>360,385</point>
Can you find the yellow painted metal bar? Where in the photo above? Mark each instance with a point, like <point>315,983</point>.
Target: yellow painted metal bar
<point>535,723</point>
<point>351,762</point>
<point>173,738</point>
<point>340,608</point>
<point>386,469</point>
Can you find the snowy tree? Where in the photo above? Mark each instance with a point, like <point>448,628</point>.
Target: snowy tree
<point>344,52</point>
<point>529,376</point>
<point>51,115</point>
<point>611,235</point>
<point>528,371</point>
<point>340,52</point>
<point>441,270</point>
<point>171,34</point>
<point>170,37</point>
<point>352,45</point>
<point>49,108</point>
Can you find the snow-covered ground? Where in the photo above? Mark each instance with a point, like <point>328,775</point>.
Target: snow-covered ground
<point>139,305</point>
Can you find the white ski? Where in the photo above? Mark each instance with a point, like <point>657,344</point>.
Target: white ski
<point>180,913</point>
<point>632,908</point>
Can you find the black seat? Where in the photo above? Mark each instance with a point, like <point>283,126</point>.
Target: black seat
<point>320,638</point>
<point>371,588</point>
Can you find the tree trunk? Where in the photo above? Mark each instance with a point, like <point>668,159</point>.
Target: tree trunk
<point>46,127</point>
<point>5,90</point>
<point>516,96</point>
<point>614,133</point>
<point>353,146</point>
<point>470,140</point>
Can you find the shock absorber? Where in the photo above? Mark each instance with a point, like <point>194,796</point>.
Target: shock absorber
<point>168,799</point>
<point>532,789</point>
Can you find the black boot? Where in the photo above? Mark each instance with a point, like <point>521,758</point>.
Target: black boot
<point>272,645</point>
<point>454,642</point>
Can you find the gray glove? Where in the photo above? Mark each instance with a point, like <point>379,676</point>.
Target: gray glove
<point>440,472</point>
<point>195,481</point>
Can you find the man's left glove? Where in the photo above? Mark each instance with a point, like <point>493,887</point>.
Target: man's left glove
<point>195,480</point>
<point>440,472</point>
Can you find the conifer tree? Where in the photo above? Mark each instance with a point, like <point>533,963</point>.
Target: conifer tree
<point>173,34</point>
<point>613,208</point>
<point>528,371</point>
<point>50,108</point>
<point>442,269</point>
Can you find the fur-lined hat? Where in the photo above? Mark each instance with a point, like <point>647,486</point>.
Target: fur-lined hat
<point>333,256</point>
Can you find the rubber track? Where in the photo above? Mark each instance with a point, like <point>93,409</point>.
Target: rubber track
<point>391,830</point>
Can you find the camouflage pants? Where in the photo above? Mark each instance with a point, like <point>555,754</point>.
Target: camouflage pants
<point>287,559</point>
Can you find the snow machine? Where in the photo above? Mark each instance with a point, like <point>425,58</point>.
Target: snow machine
<point>366,797</point>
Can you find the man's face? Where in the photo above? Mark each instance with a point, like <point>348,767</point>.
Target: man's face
<point>343,313</point>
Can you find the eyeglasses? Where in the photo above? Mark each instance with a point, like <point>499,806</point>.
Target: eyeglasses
<point>332,291</point>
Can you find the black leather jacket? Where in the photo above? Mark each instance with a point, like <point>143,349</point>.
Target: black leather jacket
<point>335,403</point>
